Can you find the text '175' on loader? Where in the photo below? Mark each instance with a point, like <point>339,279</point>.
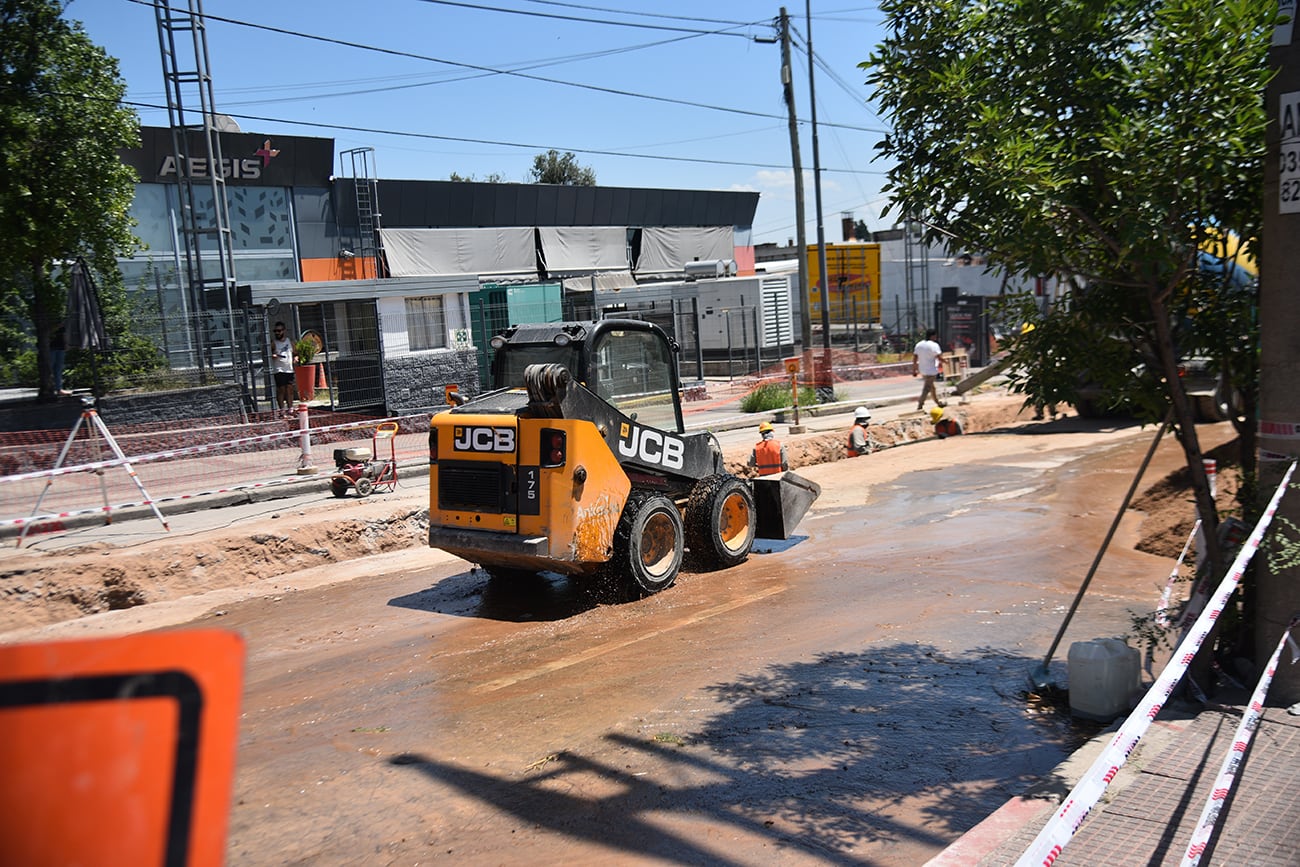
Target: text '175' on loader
<point>577,462</point>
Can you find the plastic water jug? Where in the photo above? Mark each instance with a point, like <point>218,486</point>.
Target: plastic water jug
<point>1105,675</point>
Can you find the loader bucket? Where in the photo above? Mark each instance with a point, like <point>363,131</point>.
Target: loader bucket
<point>781,502</point>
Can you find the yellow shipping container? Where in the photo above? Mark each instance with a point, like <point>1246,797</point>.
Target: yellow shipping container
<point>853,275</point>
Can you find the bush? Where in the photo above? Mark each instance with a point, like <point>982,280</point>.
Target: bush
<point>775,395</point>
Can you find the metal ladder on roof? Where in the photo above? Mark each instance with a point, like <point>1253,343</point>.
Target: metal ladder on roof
<point>367,252</point>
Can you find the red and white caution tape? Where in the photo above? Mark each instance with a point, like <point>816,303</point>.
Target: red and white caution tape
<point>1162,609</point>
<point>1056,834</point>
<point>183,452</point>
<point>1232,762</point>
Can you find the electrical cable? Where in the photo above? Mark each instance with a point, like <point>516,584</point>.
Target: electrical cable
<point>493,70</point>
<point>497,143</point>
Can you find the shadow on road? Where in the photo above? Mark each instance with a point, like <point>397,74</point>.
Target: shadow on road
<point>542,597</point>
<point>901,746</point>
<point>1067,425</point>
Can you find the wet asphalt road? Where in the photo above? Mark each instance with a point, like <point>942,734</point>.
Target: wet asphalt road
<point>853,696</point>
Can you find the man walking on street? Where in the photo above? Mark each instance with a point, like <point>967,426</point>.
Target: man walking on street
<point>768,454</point>
<point>925,362</point>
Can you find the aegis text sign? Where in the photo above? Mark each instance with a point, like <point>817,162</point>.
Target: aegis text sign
<point>254,159</point>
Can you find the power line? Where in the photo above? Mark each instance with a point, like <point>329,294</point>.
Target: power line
<point>488,69</point>
<point>497,143</point>
<point>588,20</point>
<point>443,80</point>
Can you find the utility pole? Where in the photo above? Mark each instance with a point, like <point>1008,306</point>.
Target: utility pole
<point>817,193</point>
<point>801,237</point>
<point>1278,586</point>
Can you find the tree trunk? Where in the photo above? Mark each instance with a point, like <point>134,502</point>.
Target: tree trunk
<point>1185,427</point>
<point>1201,669</point>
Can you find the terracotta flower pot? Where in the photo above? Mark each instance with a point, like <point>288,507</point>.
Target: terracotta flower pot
<point>304,376</point>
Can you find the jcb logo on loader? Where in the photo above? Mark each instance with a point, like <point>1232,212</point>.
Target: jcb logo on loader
<point>483,439</point>
<point>652,446</point>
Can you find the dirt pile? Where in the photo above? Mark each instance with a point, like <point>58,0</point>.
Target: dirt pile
<point>1170,509</point>
<point>37,588</point>
<point>822,448</point>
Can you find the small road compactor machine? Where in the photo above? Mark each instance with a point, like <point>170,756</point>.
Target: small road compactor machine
<point>577,462</point>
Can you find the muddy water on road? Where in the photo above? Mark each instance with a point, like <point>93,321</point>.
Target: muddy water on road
<point>852,697</point>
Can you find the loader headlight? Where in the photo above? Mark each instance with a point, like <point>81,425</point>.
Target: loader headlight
<point>562,339</point>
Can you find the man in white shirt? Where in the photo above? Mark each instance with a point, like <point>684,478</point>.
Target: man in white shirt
<point>282,366</point>
<point>925,362</point>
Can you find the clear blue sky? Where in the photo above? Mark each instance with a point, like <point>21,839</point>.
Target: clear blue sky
<point>696,59</point>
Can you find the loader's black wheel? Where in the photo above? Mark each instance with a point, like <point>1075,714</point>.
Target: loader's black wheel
<point>647,545</point>
<point>364,486</point>
<point>720,519</point>
<point>339,487</point>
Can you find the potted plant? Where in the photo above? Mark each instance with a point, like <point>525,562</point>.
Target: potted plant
<point>304,371</point>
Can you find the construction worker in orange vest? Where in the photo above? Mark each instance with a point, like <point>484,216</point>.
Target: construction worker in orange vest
<point>858,444</point>
<point>768,454</point>
<point>944,425</point>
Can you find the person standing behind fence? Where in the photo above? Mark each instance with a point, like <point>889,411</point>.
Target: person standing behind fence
<point>59,356</point>
<point>925,362</point>
<point>768,454</point>
<point>282,366</point>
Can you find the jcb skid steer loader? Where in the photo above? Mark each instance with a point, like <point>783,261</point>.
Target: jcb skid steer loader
<point>577,462</point>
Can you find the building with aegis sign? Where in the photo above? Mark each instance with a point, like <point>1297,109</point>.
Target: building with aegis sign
<point>394,277</point>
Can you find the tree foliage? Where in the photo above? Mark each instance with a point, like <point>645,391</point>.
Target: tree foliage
<point>66,191</point>
<point>553,167</point>
<point>1099,140</point>
<point>491,178</point>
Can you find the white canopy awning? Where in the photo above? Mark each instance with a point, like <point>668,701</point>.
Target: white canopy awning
<point>433,252</point>
<point>569,249</point>
<point>667,249</point>
<point>600,282</point>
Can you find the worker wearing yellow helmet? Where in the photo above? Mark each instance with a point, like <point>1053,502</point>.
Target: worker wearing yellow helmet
<point>769,455</point>
<point>944,425</point>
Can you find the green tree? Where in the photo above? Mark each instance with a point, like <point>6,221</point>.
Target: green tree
<point>493,178</point>
<point>553,167</point>
<point>66,192</point>
<point>1099,140</point>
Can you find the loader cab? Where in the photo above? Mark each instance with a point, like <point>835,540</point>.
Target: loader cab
<point>630,364</point>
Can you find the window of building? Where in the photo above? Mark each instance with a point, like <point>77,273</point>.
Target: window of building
<point>426,323</point>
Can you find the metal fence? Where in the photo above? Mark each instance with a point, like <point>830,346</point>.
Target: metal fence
<point>355,339</point>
